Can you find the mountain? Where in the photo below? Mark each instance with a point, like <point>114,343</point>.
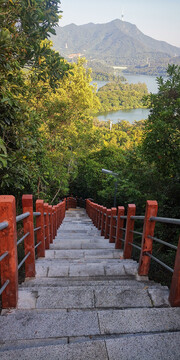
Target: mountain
<point>116,43</point>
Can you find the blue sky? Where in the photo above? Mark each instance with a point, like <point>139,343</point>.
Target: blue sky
<point>159,19</point>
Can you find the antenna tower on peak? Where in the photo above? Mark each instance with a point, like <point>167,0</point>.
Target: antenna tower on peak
<point>122,16</point>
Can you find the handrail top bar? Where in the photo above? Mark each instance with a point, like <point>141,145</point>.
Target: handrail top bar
<point>22,216</point>
<point>165,220</point>
<point>137,217</point>
<point>4,225</point>
<point>35,213</point>
<point>123,217</point>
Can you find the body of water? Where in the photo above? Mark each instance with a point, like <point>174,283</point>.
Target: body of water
<point>128,115</point>
<point>132,114</point>
<point>150,81</point>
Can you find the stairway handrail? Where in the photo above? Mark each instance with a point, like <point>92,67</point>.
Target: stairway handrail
<point>113,219</point>
<point>43,222</point>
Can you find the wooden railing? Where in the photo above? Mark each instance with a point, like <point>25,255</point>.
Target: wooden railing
<point>111,223</point>
<point>39,230</point>
<point>71,203</point>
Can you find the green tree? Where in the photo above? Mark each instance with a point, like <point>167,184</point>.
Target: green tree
<point>161,144</point>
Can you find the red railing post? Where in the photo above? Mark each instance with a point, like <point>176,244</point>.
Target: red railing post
<point>64,208</point>
<point>147,244</point>
<point>28,225</point>
<point>96,214</point>
<point>8,243</point>
<point>120,225</point>
<point>67,203</point>
<point>103,220</point>
<point>107,225</point>
<point>174,296</point>
<point>112,233</point>
<point>129,234</point>
<point>40,234</point>
<point>60,214</point>
<point>46,222</point>
<point>56,217</point>
<point>51,224</point>
<point>100,218</point>
<point>54,222</point>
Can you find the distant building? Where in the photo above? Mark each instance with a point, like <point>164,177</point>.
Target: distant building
<point>72,56</point>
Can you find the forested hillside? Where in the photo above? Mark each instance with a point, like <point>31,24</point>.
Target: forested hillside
<point>117,95</point>
<point>50,141</point>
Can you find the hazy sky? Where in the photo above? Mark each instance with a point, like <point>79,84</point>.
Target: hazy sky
<point>159,19</point>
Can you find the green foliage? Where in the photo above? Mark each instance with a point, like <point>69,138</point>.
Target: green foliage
<point>161,143</point>
<point>117,95</point>
<point>3,154</point>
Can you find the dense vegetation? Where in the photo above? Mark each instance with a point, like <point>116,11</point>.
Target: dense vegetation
<point>45,103</point>
<point>51,144</point>
<point>117,95</point>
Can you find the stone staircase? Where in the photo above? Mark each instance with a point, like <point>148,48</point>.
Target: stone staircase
<point>86,302</point>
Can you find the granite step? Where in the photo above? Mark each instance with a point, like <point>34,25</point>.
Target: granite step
<point>49,324</point>
<point>163,345</point>
<point>93,297</point>
<point>84,254</point>
<point>86,302</point>
<point>86,282</point>
<point>56,268</point>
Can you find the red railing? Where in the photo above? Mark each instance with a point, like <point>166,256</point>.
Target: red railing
<point>111,223</point>
<point>71,203</point>
<point>39,236</point>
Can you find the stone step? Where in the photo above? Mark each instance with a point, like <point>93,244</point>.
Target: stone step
<point>85,254</point>
<point>40,324</point>
<point>164,345</point>
<point>86,302</point>
<point>54,268</point>
<point>86,282</point>
<point>92,297</point>
<point>78,244</point>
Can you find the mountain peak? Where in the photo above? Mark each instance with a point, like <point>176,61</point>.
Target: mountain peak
<point>116,42</point>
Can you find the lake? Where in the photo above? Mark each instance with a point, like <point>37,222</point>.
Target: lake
<point>132,114</point>
<point>128,115</point>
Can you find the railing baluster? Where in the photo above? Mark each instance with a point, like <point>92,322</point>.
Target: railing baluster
<point>112,232</point>
<point>103,220</point>
<point>9,265</point>
<point>40,235</point>
<point>46,221</point>
<point>51,224</point>
<point>129,235</point>
<point>107,228</point>
<point>174,296</point>
<point>120,224</point>
<point>147,243</point>
<point>28,225</point>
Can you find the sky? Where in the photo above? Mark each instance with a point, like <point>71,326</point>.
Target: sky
<point>159,19</point>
